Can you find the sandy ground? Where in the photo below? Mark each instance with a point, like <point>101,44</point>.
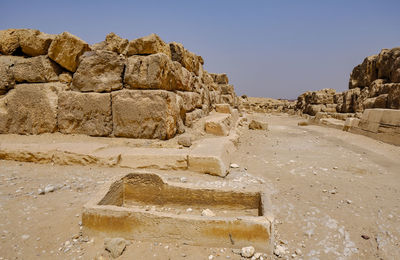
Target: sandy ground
<point>335,195</point>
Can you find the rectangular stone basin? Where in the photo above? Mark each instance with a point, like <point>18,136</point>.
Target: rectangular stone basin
<point>142,206</point>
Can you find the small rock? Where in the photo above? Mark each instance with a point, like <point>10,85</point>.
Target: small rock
<point>236,251</point>
<point>115,246</point>
<point>40,191</point>
<point>189,210</point>
<point>234,165</point>
<point>257,255</point>
<point>25,237</point>
<point>298,251</point>
<point>183,179</point>
<point>210,257</point>
<point>348,201</point>
<point>185,141</point>
<point>247,251</point>
<point>49,188</point>
<point>334,191</point>
<point>365,237</point>
<point>258,125</point>
<point>279,251</point>
<point>207,213</point>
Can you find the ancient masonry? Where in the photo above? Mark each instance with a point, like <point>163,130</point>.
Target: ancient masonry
<point>143,88</point>
<point>370,106</point>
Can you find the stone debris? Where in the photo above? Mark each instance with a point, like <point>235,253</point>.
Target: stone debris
<point>247,251</point>
<point>115,246</point>
<point>234,165</point>
<point>207,213</point>
<point>258,125</point>
<point>185,141</point>
<point>280,250</point>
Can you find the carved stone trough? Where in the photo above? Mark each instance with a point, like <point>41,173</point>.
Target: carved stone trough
<point>142,206</point>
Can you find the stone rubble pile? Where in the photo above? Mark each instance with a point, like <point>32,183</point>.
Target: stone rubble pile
<point>143,88</point>
<point>266,105</point>
<point>373,84</point>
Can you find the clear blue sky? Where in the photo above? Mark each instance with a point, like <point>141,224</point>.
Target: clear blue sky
<point>268,48</point>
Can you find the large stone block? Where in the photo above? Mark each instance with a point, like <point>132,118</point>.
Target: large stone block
<point>39,69</point>
<point>191,100</point>
<point>6,79</point>
<point>99,71</point>
<point>153,114</point>
<point>116,44</point>
<point>393,99</point>
<point>66,49</point>
<point>84,113</point>
<point>34,42</point>
<point>150,44</point>
<point>156,72</point>
<point>187,59</point>
<point>220,78</point>
<point>30,109</point>
<point>9,42</point>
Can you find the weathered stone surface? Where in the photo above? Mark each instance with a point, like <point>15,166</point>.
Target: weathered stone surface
<point>185,140</point>
<point>145,114</point>
<point>115,246</point>
<point>223,108</point>
<point>9,42</point>
<point>66,49</point>
<point>218,124</point>
<point>349,100</point>
<point>191,117</point>
<point>156,72</point>
<point>388,64</point>
<point>258,125</point>
<point>220,78</point>
<point>84,113</point>
<point>147,45</point>
<point>99,71</point>
<point>7,80</point>
<point>363,74</point>
<point>30,109</point>
<point>191,100</point>
<point>37,69</point>
<point>187,59</point>
<point>393,99</point>
<point>116,44</point>
<point>34,42</point>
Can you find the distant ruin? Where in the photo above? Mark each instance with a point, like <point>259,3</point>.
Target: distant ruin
<point>143,88</point>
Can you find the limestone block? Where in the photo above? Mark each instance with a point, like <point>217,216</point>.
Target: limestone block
<point>84,113</point>
<point>393,99</point>
<point>99,71</point>
<point>7,80</point>
<point>39,69</point>
<point>191,100</point>
<point>9,42</point>
<point>211,156</point>
<point>147,45</point>
<point>220,78</point>
<point>66,49</point>
<point>116,44</point>
<point>258,125</point>
<point>218,124</point>
<point>223,108</point>
<point>34,42</point>
<point>187,59</point>
<point>351,122</point>
<point>156,71</point>
<point>30,109</point>
<point>191,117</point>
<point>145,114</point>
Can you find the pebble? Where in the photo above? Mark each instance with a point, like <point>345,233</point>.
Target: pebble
<point>280,250</point>
<point>189,210</point>
<point>49,188</point>
<point>115,246</point>
<point>40,191</point>
<point>210,257</point>
<point>25,237</point>
<point>207,213</point>
<point>234,165</point>
<point>247,251</point>
<point>183,179</point>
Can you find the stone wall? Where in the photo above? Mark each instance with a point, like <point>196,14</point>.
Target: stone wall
<point>375,83</point>
<point>266,105</point>
<point>143,88</point>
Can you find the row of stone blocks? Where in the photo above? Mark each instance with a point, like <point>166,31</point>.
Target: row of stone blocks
<point>47,108</point>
